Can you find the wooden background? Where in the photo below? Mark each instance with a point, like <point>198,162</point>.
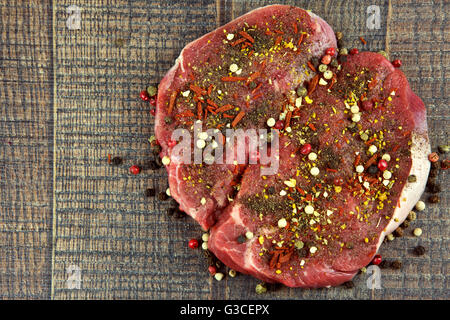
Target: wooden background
<point>70,97</point>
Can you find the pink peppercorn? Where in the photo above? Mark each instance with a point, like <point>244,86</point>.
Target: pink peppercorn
<point>326,59</point>
<point>305,149</point>
<point>354,51</point>
<point>144,95</point>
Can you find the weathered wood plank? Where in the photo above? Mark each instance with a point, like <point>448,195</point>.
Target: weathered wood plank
<point>26,156</point>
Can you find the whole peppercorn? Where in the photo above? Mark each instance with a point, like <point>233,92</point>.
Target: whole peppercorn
<point>384,264</point>
<point>330,51</point>
<point>339,35</point>
<point>419,250</point>
<point>326,59</point>
<point>152,91</point>
<point>434,199</point>
<point>144,95</point>
<point>152,101</point>
<point>116,161</point>
<point>163,196</point>
<point>150,192</point>
<point>153,165</point>
<point>134,169</point>
<point>349,284</point>
<point>193,243</point>
<point>354,51</point>
<point>412,178</point>
<point>434,165</point>
<point>302,91</point>
<point>433,187</point>
<point>212,270</point>
<point>373,169</point>
<point>153,112</point>
<point>377,259</point>
<point>305,149</point>
<point>396,265</point>
<point>412,216</point>
<point>397,63</point>
<point>405,224</point>
<point>398,232</point>
<point>261,288</point>
<point>382,165</point>
<point>433,157</point>
<point>445,164</point>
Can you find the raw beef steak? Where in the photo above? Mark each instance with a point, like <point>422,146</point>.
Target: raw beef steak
<point>351,131</point>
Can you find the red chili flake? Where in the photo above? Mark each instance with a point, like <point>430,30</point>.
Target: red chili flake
<point>144,95</point>
<point>330,51</point>
<point>247,36</point>
<point>354,51</point>
<point>193,243</point>
<point>109,158</point>
<point>134,169</point>
<point>238,118</point>
<point>397,63</point>
<point>173,97</point>
<point>382,165</point>
<point>433,157</point>
<point>377,260</point>
<point>326,59</point>
<point>212,270</point>
<point>363,40</point>
<point>305,149</point>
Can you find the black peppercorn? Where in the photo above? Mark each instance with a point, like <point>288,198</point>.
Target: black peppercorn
<point>433,199</point>
<point>171,211</point>
<point>241,239</point>
<point>398,232</point>
<point>419,250</point>
<point>433,187</point>
<point>373,169</point>
<point>163,196</point>
<point>396,265</point>
<point>384,264</point>
<point>116,161</point>
<point>405,224</point>
<point>153,165</point>
<point>150,192</point>
<point>435,165</point>
<point>349,284</point>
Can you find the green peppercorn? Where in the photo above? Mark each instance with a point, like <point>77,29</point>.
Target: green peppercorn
<point>412,178</point>
<point>152,91</point>
<point>301,91</point>
<point>261,288</point>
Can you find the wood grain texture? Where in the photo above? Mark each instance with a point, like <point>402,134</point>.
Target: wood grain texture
<point>26,150</point>
<point>124,244</point>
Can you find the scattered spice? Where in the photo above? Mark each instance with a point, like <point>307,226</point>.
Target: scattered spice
<point>419,250</point>
<point>443,149</point>
<point>150,192</point>
<point>433,157</point>
<point>417,232</point>
<point>193,243</point>
<point>349,284</point>
<point>116,161</point>
<point>398,232</point>
<point>134,169</point>
<point>434,199</point>
<point>396,265</point>
<point>261,288</point>
<point>163,196</point>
